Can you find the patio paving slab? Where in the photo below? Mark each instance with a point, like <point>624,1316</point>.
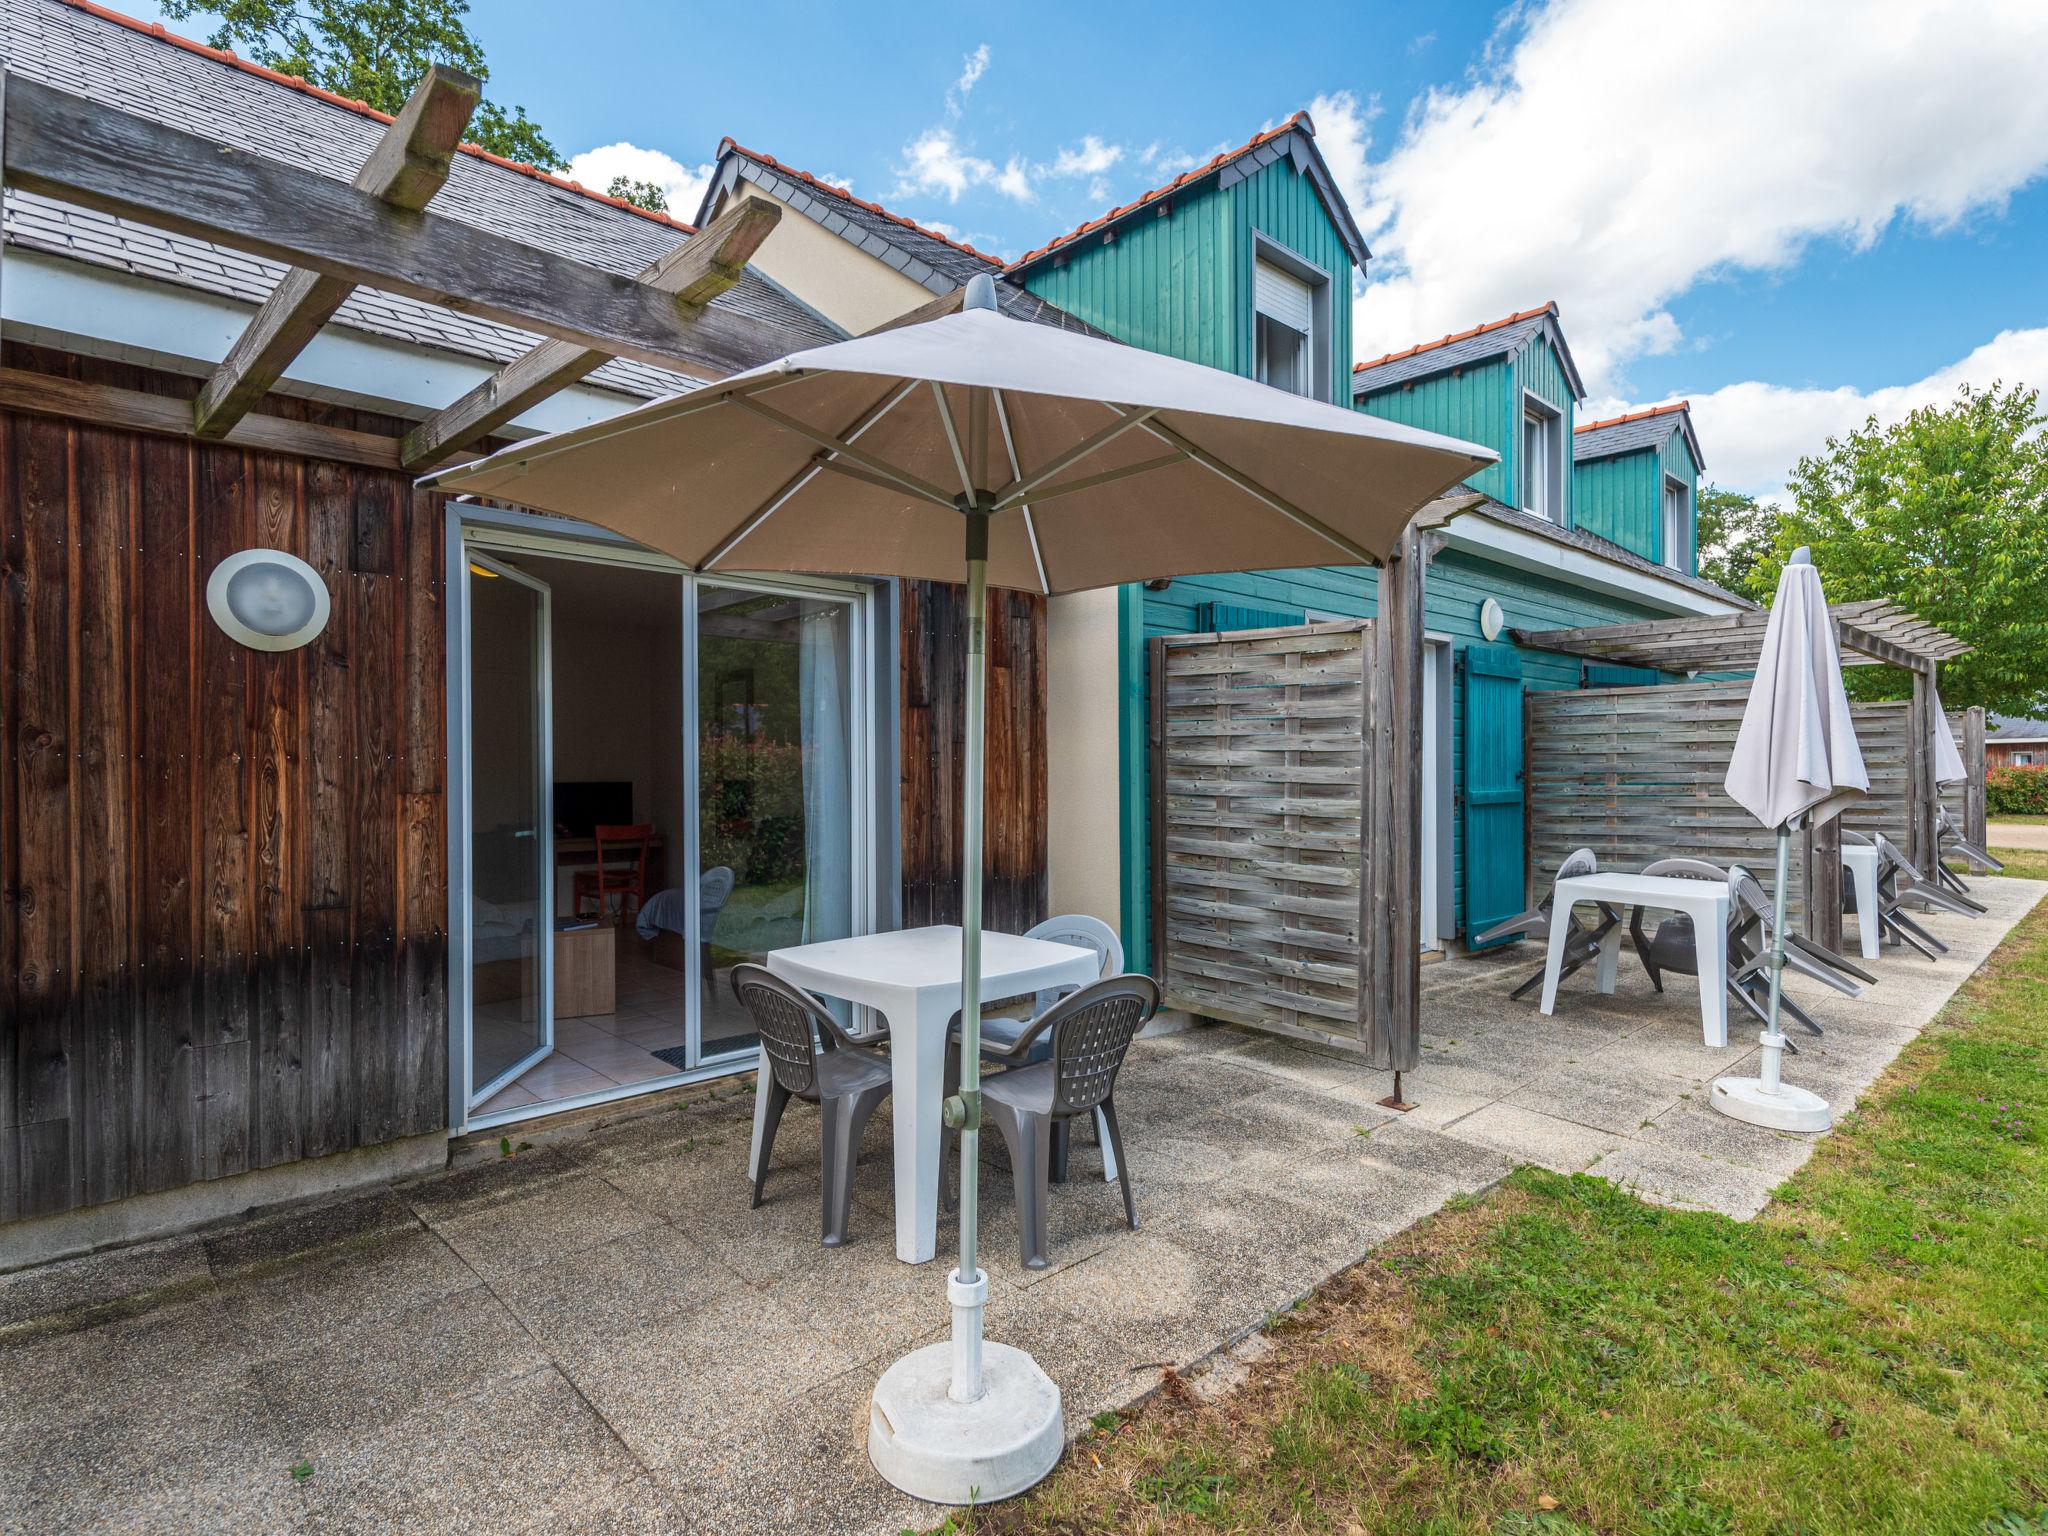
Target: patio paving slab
<point>597,1334</point>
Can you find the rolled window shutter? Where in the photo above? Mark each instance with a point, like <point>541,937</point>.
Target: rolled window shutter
<point>1283,296</point>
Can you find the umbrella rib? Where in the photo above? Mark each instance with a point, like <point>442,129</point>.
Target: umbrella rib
<point>904,479</point>
<point>1030,526</point>
<point>804,476</point>
<point>1018,489</point>
<point>1090,482</point>
<point>1251,487</point>
<point>952,437</point>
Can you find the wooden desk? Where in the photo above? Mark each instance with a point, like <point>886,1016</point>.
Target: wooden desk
<point>586,971</point>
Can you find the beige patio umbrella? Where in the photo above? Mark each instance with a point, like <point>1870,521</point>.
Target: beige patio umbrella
<point>1003,451</point>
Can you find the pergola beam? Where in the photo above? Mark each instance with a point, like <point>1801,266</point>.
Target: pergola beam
<point>696,272</point>
<point>80,152</point>
<point>1870,631</point>
<point>409,164</point>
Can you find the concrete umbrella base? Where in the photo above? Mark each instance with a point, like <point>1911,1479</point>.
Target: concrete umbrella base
<point>944,1452</point>
<point>1768,1100</point>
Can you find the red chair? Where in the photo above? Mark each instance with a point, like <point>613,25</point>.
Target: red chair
<point>621,880</point>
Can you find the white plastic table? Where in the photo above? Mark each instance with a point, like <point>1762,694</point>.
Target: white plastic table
<point>913,979</point>
<point>1704,901</point>
<point>1860,860</point>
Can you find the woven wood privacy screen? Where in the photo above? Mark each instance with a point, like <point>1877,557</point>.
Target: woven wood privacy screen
<point>1635,774</point>
<point>1259,747</point>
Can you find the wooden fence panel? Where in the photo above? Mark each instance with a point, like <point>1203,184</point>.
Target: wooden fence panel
<point>1261,741</point>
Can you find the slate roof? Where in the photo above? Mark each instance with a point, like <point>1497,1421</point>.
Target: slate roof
<point>2009,728</point>
<point>1295,137</point>
<point>1637,430</point>
<point>144,70</point>
<point>1496,338</point>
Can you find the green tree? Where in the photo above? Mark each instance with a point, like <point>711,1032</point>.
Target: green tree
<point>372,51</point>
<point>1736,534</point>
<point>641,194</point>
<point>1945,513</point>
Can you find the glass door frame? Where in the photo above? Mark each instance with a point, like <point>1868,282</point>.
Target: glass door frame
<point>544,827</point>
<point>472,530</point>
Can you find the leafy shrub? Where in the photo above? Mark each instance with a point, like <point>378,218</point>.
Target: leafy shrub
<point>753,798</point>
<point>2016,791</point>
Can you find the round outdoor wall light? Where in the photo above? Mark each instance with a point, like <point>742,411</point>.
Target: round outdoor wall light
<point>267,599</point>
<point>1491,620</point>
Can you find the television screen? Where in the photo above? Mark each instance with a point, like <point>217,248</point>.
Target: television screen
<point>582,806</point>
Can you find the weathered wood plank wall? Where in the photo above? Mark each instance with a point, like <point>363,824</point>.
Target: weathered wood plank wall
<point>224,871</point>
<point>933,643</point>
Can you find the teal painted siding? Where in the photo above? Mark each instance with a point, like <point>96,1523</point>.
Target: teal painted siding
<point>1473,405</point>
<point>1678,465</point>
<point>1283,205</point>
<point>1618,498</point>
<point>1538,371</point>
<point>1171,284</point>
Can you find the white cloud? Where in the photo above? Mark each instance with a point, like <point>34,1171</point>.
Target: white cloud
<point>1172,162</point>
<point>972,68</point>
<point>1753,433</point>
<point>935,162</point>
<point>682,185</point>
<point>1574,166</point>
<point>1343,134</point>
<point>1090,158</point>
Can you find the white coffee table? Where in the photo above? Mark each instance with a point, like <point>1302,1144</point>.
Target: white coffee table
<point>913,979</point>
<point>1704,901</point>
<point>1860,860</point>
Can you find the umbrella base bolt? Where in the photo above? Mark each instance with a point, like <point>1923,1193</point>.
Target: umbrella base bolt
<point>1395,1100</point>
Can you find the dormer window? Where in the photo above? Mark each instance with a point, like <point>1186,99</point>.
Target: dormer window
<point>1290,323</point>
<point>1677,523</point>
<point>1542,460</point>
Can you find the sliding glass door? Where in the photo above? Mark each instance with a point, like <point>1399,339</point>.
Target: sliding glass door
<point>776,753</point>
<point>511,851</point>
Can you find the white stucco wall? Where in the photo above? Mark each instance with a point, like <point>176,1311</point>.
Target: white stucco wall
<point>848,287</point>
<point>1081,740</point>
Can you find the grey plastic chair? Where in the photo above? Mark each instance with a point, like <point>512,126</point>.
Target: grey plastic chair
<point>1899,881</point>
<point>1000,1032</point>
<point>1674,946</point>
<point>1950,843</point>
<point>812,1058</point>
<point>1581,943</point>
<point>1749,953</point>
<point>1091,1031</point>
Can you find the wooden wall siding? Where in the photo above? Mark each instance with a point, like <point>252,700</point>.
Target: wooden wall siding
<point>1678,465</point>
<point>1618,498</point>
<point>1474,405</point>
<point>1537,370</point>
<point>1636,774</point>
<point>224,871</point>
<point>1283,205</point>
<point>933,645</point>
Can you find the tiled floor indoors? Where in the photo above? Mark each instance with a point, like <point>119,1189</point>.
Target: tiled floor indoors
<point>601,1051</point>
<point>597,1333</point>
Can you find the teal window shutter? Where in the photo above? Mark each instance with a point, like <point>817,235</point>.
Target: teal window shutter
<point>1217,618</point>
<point>1494,881</point>
<point>1598,676</point>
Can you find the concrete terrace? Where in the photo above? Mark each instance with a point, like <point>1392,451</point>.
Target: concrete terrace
<point>597,1335</point>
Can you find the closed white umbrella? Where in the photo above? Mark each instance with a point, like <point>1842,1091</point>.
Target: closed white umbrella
<point>1948,758</point>
<point>1796,762</point>
<point>1057,462</point>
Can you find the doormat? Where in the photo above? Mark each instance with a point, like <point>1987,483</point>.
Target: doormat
<point>675,1055</point>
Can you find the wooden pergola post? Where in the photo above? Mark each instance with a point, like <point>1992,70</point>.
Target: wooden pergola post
<point>1390,807</point>
<point>1975,809</point>
<point>1923,795</point>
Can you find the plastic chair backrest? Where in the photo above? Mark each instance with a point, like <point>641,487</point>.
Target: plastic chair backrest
<point>1686,869</point>
<point>1091,1030</point>
<point>787,1018</point>
<point>1083,932</point>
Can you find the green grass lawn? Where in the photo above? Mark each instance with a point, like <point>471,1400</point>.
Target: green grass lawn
<point>1557,1358</point>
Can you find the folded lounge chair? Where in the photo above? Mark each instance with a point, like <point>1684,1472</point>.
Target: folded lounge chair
<point>1950,843</point>
<point>1898,882</point>
<point>1581,943</point>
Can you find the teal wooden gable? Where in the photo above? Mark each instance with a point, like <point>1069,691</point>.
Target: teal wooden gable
<point>1620,496</point>
<point>1179,280</point>
<point>1483,402</point>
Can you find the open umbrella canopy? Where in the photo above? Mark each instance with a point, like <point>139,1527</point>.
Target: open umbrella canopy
<point>1796,753</point>
<point>1105,464</point>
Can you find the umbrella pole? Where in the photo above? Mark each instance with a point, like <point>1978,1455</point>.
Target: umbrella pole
<point>1767,1099</point>
<point>967,1422</point>
<point>969,1286</point>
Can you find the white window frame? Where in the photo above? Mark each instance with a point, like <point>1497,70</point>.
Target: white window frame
<point>1675,519</point>
<point>1316,346</point>
<point>1538,412</point>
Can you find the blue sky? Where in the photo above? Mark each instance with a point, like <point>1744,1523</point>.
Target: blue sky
<point>1794,215</point>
